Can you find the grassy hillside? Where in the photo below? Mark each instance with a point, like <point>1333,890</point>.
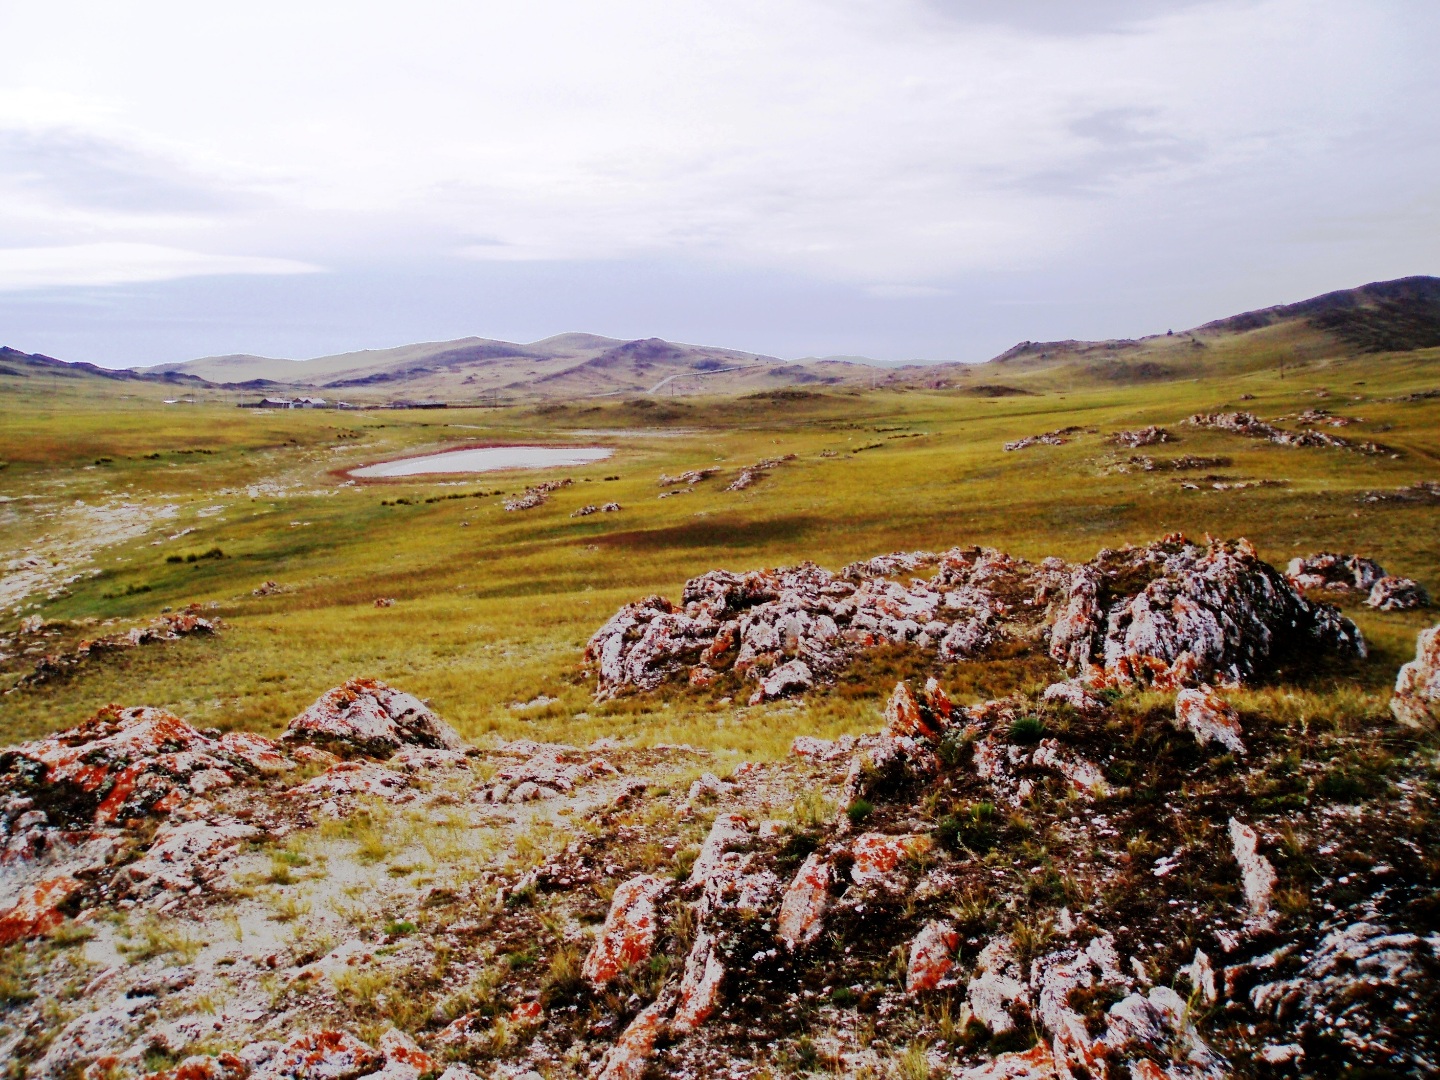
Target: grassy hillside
<point>493,607</point>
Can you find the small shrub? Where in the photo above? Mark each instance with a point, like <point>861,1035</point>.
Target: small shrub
<point>858,811</point>
<point>972,828</point>
<point>1027,729</point>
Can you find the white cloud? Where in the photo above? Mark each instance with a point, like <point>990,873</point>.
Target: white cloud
<point>122,263</point>
<point>886,144</point>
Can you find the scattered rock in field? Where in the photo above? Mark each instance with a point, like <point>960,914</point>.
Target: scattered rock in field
<point>37,910</point>
<point>1333,572</point>
<point>1058,437</point>
<point>1397,594</point>
<point>751,473</point>
<point>548,772</point>
<point>1146,436</point>
<point>384,601</point>
<point>932,957</point>
<point>1210,718</point>
<point>802,909</point>
<point>184,856</point>
<point>1416,702</point>
<point>1173,613</point>
<point>121,765</point>
<point>536,494</point>
<point>269,588</point>
<point>605,508</point>
<point>1244,423</point>
<point>170,626</point>
<point>1425,493</point>
<point>690,477</point>
<point>366,717</point>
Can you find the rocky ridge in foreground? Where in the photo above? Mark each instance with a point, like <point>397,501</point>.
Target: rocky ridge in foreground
<point>1170,614</point>
<point>1083,881</point>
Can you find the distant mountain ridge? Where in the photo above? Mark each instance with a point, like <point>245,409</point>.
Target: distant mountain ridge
<point>1387,316</point>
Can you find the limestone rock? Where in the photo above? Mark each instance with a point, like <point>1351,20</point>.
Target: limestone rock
<point>322,1055</point>
<point>1397,594</point>
<point>878,856</point>
<point>185,855</point>
<point>1256,873</point>
<point>119,766</point>
<point>1417,687</point>
<point>1210,718</point>
<point>932,957</point>
<point>700,985</point>
<point>802,909</point>
<point>629,931</point>
<point>1334,572</point>
<point>368,718</point>
<point>37,910</point>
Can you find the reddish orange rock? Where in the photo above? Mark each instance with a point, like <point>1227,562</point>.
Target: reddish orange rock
<point>629,1058</point>
<point>877,855</point>
<point>629,931</point>
<point>37,911</point>
<point>399,1047</point>
<point>1037,1063</point>
<point>932,956</point>
<point>700,986</point>
<point>322,1055</point>
<point>902,715</point>
<point>197,1067</point>
<point>802,910</point>
<point>526,1013</point>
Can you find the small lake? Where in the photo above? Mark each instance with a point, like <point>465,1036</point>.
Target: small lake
<point>486,459</point>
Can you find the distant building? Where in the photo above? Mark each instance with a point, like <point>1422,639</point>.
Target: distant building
<point>287,403</point>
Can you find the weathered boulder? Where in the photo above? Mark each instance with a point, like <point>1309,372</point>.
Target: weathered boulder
<point>878,856</point>
<point>1146,436</point>
<point>629,931</point>
<point>1210,718</point>
<point>368,718</point>
<point>1416,702</point>
<point>185,856</point>
<point>1334,572</point>
<point>548,772</point>
<point>1204,614</point>
<point>119,766</point>
<point>932,957</point>
<point>1397,594</point>
<point>802,909</point>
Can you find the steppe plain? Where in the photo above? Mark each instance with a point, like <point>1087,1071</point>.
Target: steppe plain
<point>368,916</point>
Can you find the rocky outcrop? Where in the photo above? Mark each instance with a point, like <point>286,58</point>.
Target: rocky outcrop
<point>536,495</point>
<point>1050,438</point>
<point>1416,701</point>
<point>1334,572</point>
<point>1244,423</point>
<point>1146,436</point>
<point>368,718</point>
<point>1202,614</point>
<point>1172,613</point>
<point>1397,594</point>
<point>167,627</point>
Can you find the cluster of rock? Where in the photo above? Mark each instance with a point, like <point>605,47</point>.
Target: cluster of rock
<point>689,478</point>
<point>536,494</point>
<point>1146,436</point>
<point>1058,437</point>
<point>1423,493</point>
<point>1340,573</point>
<point>1182,463</point>
<point>1056,883</point>
<point>167,627</point>
<point>73,800</point>
<point>1172,613</point>
<point>1244,423</point>
<point>591,508</point>
<point>751,473</point>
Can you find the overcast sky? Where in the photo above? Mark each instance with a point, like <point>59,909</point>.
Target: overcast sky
<point>903,179</point>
